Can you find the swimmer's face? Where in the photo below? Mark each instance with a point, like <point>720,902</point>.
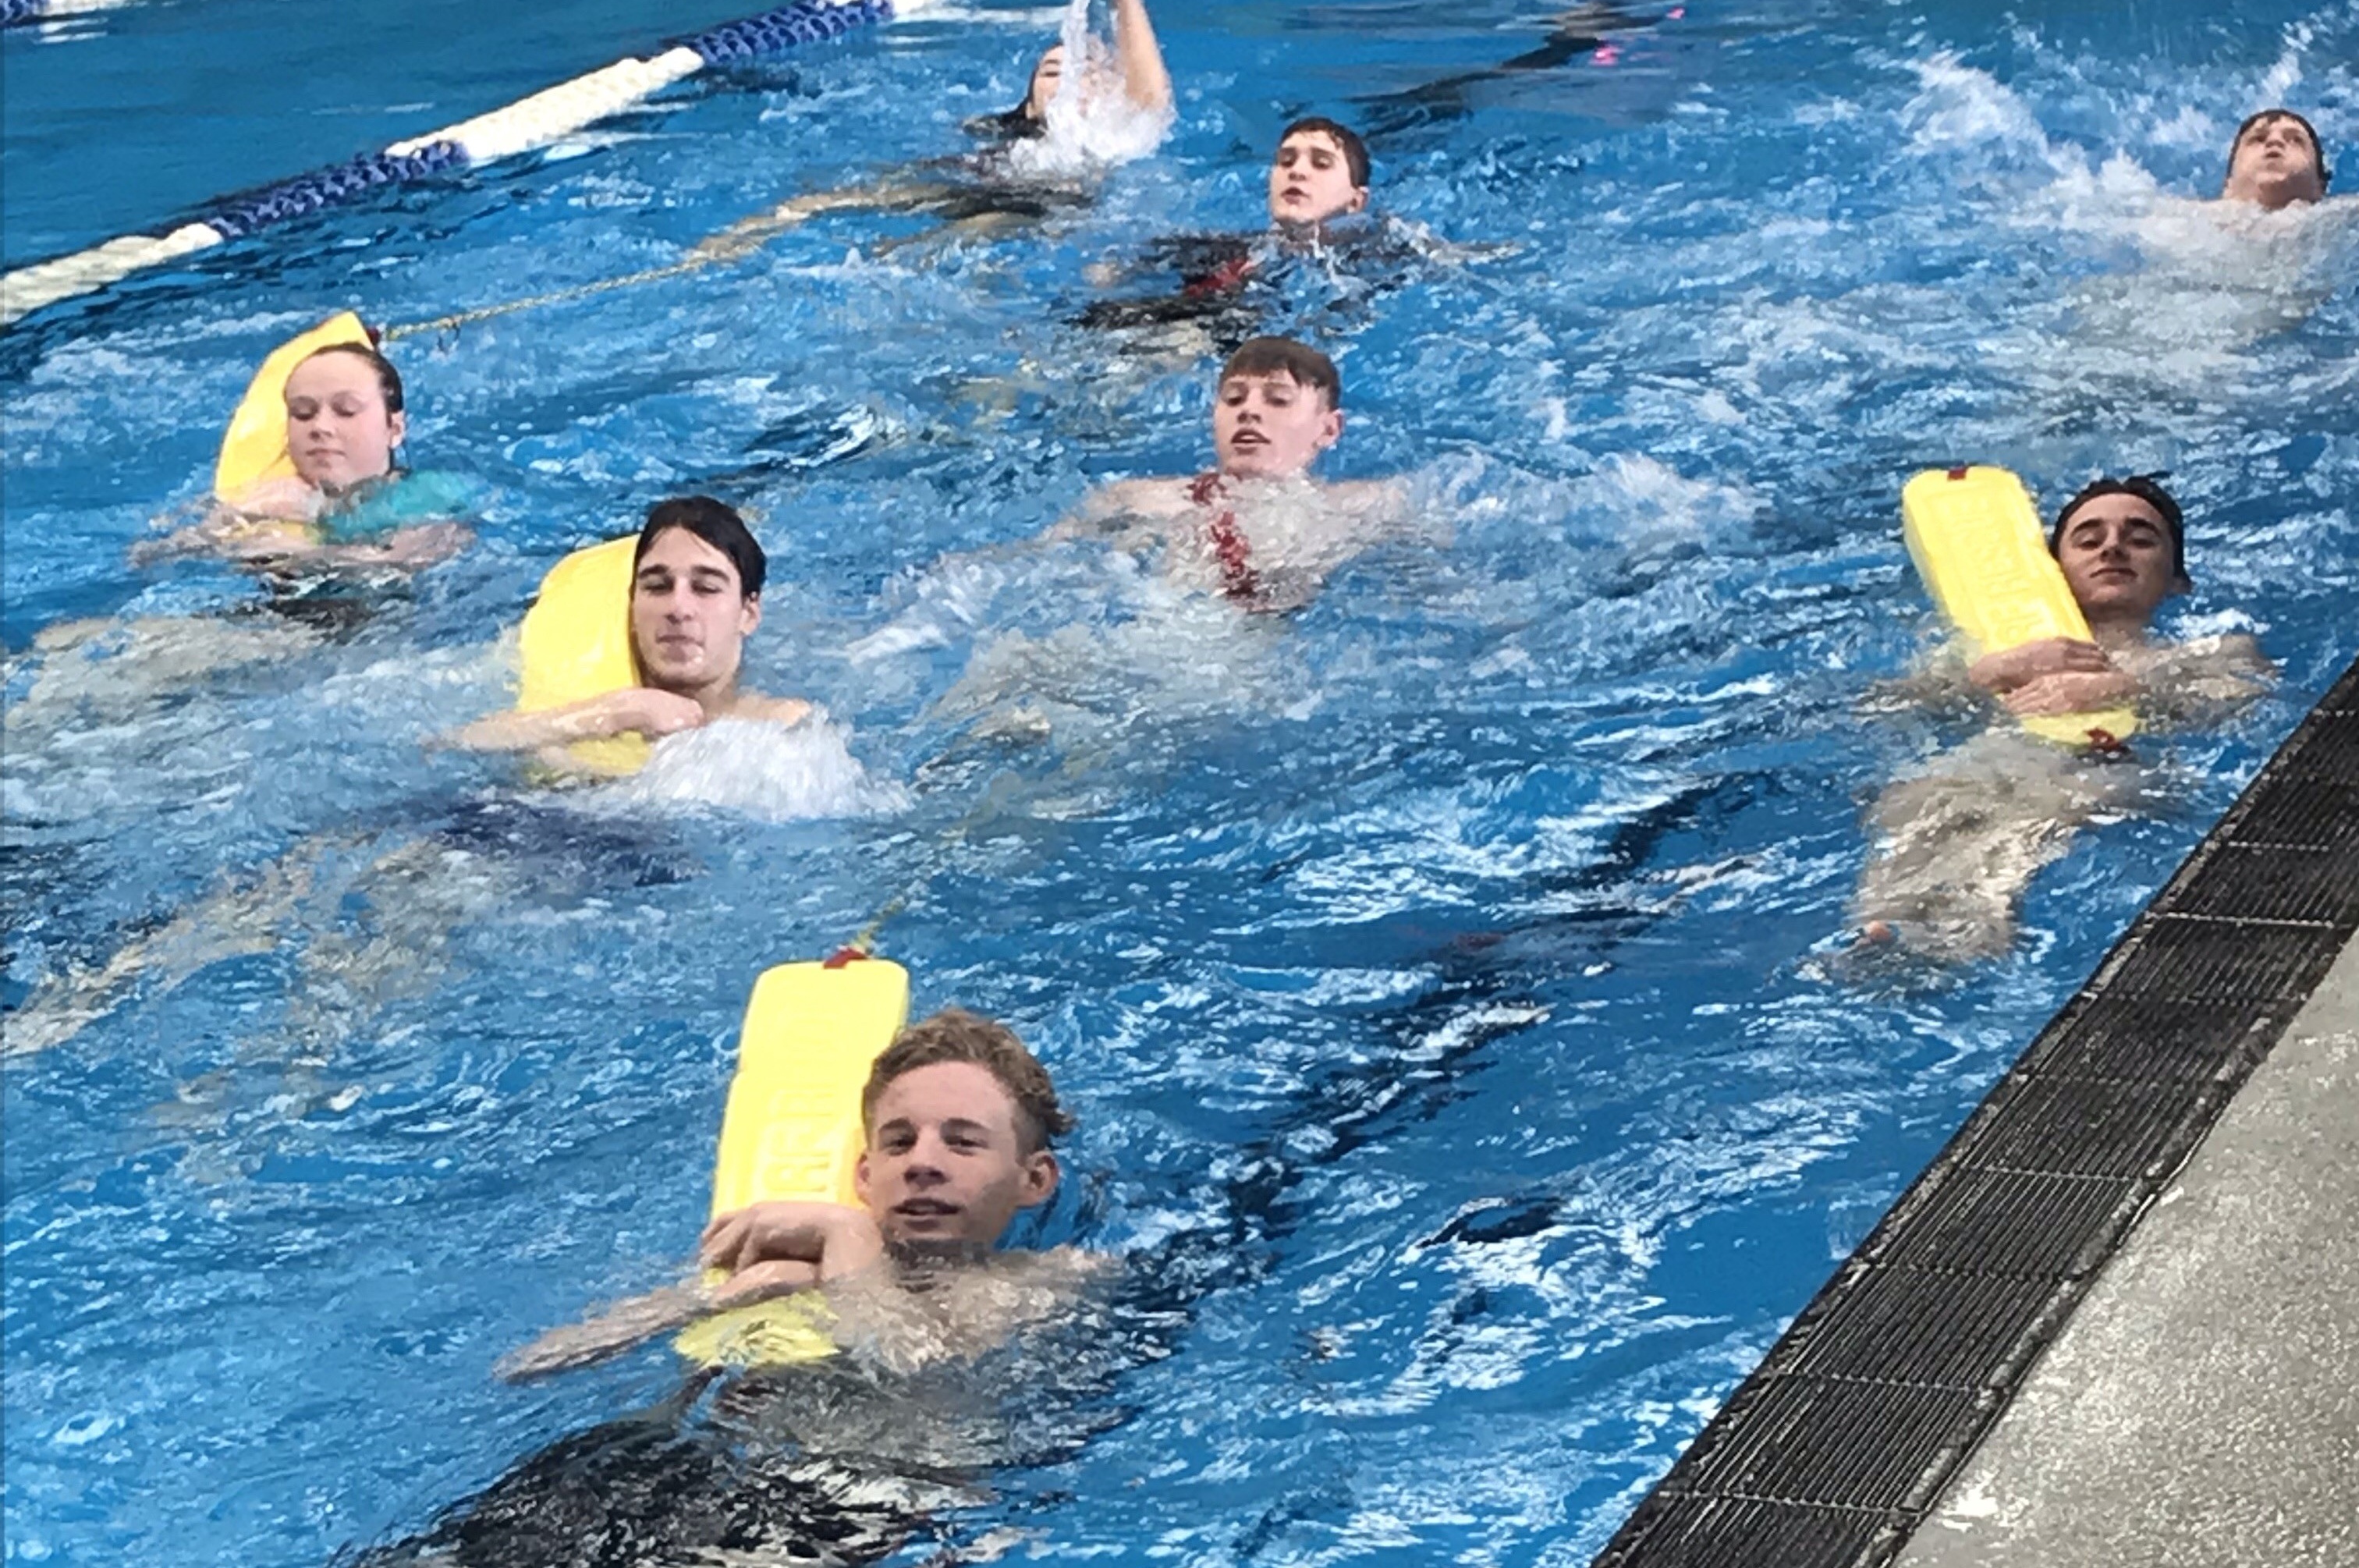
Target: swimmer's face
<point>2274,163</point>
<point>1045,76</point>
<point>1271,426</point>
<point>689,616</point>
<point>945,1161</point>
<point>338,431</point>
<point>1311,180</point>
<point>2117,559</point>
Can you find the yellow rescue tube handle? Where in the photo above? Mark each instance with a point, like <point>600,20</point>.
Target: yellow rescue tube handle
<point>1983,556</point>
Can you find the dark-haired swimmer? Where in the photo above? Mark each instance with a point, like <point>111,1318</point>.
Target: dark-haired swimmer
<point>1254,528</point>
<point>958,1118</point>
<point>1319,177</point>
<point>1321,223</point>
<point>2275,161</point>
<point>696,595</point>
<point>974,190</point>
<point>350,504</point>
<point>1956,846</point>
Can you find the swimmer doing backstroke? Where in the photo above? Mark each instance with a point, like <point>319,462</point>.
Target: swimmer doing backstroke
<point>696,595</point>
<point>1135,79</point>
<point>350,504</point>
<point>1255,526</point>
<point>1957,845</point>
<point>958,1118</point>
<point>2274,161</point>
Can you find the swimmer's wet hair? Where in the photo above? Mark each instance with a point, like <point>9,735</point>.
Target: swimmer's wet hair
<point>1267,356</point>
<point>1355,151</point>
<point>956,1035</point>
<point>388,379</point>
<point>2317,147</point>
<point>2144,487</point>
<point>717,525</point>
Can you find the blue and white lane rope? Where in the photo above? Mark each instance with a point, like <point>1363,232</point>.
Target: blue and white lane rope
<point>529,123</point>
<point>31,12</point>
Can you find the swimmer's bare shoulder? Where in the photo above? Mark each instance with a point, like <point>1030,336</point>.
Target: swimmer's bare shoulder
<point>904,1317</point>
<point>1124,505</point>
<point>2202,676</point>
<point>786,711</point>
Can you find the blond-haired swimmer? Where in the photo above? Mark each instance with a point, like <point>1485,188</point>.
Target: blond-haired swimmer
<point>957,1119</point>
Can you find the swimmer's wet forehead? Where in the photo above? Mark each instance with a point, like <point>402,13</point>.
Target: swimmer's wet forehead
<point>680,552</point>
<point>2260,128</point>
<point>1280,388</point>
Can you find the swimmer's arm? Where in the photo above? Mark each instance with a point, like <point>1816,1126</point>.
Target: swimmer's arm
<point>608,1333</point>
<point>1145,80</point>
<point>2001,672</point>
<point>232,535</point>
<point>638,1319</point>
<point>830,1240</point>
<point>1105,511</point>
<point>1379,503</point>
<point>748,235</point>
<point>409,549</point>
<point>640,710</point>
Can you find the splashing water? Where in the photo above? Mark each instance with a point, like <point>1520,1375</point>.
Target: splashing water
<point>777,772</point>
<point>1093,123</point>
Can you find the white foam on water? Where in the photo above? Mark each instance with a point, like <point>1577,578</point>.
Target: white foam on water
<point>782,773</point>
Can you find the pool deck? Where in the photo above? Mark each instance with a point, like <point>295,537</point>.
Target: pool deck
<point>2203,1405</point>
<point>2115,1322</point>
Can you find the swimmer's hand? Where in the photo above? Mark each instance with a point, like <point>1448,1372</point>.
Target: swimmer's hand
<point>829,1240</point>
<point>2004,671</point>
<point>2070,692</point>
<point>643,709</point>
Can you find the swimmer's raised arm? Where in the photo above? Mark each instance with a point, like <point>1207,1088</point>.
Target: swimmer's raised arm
<point>1145,80</point>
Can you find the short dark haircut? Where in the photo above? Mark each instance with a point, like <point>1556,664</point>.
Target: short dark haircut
<point>2317,147</point>
<point>1266,356</point>
<point>716,524</point>
<point>956,1035</point>
<point>1355,151</point>
<point>2143,487</point>
<point>388,379</point>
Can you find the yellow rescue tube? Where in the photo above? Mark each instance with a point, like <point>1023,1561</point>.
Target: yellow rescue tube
<point>1978,547</point>
<point>254,450</point>
<point>792,1129</point>
<point>576,643</point>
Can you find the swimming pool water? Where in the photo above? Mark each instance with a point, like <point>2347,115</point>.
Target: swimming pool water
<point>1443,978</point>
